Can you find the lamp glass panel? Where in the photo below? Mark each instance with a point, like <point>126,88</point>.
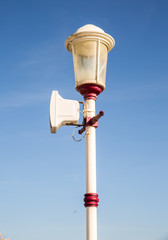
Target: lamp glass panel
<point>85,62</point>
<point>102,65</point>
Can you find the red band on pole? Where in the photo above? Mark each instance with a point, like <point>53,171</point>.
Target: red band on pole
<point>91,200</point>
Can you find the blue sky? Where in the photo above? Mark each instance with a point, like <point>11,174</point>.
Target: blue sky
<point>42,176</point>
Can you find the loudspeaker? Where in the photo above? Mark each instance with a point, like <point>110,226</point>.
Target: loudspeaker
<point>62,112</point>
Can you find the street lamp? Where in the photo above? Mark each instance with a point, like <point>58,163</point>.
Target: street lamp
<point>89,46</point>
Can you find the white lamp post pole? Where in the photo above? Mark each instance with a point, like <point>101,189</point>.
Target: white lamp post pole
<point>90,46</point>
<point>91,211</point>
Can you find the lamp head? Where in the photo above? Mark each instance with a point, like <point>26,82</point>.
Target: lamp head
<point>90,46</point>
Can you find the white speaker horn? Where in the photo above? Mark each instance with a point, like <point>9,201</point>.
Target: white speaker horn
<point>62,112</point>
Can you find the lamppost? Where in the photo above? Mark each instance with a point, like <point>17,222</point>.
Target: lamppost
<point>89,46</point>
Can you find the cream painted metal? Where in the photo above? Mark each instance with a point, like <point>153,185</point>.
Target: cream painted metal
<point>91,223</point>
<point>91,212</point>
<point>89,111</point>
<point>90,46</point>
<point>62,112</point>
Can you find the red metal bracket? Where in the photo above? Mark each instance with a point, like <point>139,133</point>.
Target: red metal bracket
<point>88,121</point>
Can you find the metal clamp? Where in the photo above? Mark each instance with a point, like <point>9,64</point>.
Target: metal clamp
<point>88,121</point>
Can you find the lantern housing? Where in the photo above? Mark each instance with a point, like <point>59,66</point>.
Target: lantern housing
<point>90,46</point>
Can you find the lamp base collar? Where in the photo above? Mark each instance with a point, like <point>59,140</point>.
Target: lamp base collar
<point>89,91</point>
